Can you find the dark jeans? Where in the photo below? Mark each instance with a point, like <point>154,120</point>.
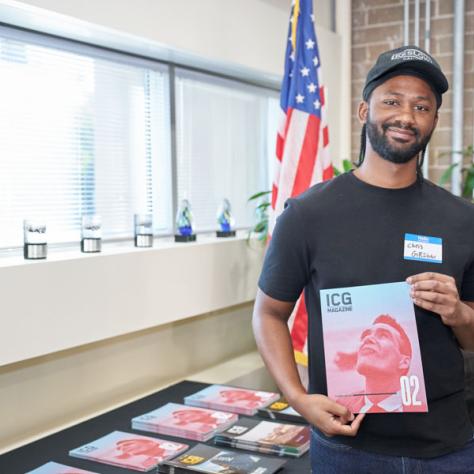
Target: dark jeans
<point>333,458</point>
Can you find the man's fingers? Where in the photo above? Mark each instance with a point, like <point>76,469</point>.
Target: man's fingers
<point>434,286</point>
<point>429,276</point>
<point>433,297</point>
<point>348,430</point>
<point>339,411</point>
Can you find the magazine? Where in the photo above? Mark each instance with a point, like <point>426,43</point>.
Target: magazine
<point>174,419</point>
<point>234,399</point>
<point>140,453</point>
<point>282,439</point>
<point>56,468</point>
<point>208,459</point>
<point>280,410</point>
<point>371,349</point>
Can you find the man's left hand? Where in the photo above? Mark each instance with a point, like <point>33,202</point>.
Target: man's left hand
<point>438,293</point>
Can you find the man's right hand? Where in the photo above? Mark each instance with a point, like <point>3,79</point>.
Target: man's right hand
<point>329,417</point>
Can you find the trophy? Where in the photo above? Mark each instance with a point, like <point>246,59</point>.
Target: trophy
<point>225,220</point>
<point>184,223</point>
<point>143,230</point>
<point>91,234</point>
<point>35,244</point>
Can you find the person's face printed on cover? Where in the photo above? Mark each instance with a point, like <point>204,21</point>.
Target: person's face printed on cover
<point>384,349</point>
<point>232,396</point>
<point>136,446</point>
<point>185,417</point>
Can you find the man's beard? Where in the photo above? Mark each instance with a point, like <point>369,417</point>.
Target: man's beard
<point>395,154</point>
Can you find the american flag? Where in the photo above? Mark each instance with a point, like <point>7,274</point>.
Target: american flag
<point>302,151</point>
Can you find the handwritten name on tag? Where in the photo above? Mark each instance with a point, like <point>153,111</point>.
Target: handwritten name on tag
<point>423,248</point>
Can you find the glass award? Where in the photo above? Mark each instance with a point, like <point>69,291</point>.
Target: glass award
<point>225,220</point>
<point>35,244</point>
<point>91,234</point>
<point>184,223</point>
<point>143,230</point>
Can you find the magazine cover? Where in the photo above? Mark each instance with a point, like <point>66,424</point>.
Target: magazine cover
<point>207,459</point>
<point>56,468</point>
<point>182,420</point>
<point>371,349</point>
<point>248,430</point>
<point>140,453</point>
<point>281,410</point>
<point>234,399</point>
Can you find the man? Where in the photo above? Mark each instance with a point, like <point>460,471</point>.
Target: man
<point>353,230</point>
<point>384,355</point>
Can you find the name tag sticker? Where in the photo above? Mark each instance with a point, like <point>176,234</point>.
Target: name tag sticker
<point>423,248</point>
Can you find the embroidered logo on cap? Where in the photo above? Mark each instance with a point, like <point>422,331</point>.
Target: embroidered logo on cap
<point>411,54</point>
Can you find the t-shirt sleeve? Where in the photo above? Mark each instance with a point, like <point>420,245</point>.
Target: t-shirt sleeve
<point>285,270</point>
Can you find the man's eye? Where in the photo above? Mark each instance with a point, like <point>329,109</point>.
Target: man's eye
<point>422,108</point>
<point>390,102</point>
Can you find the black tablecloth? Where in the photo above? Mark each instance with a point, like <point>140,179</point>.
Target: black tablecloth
<point>56,447</point>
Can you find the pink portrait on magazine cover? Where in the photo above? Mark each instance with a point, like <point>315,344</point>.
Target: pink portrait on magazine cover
<point>373,362</point>
<point>196,419</point>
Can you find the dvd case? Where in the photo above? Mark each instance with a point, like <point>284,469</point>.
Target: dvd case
<point>211,460</point>
<point>280,410</point>
<point>282,439</point>
<point>371,349</point>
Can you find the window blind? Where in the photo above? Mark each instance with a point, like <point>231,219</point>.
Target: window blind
<point>82,131</point>
<point>226,134</point>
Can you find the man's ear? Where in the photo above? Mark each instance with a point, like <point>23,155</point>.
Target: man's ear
<point>363,111</point>
<point>404,363</point>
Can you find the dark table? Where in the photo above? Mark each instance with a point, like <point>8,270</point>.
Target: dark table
<point>56,447</point>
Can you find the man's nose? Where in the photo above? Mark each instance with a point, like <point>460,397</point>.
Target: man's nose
<point>406,116</point>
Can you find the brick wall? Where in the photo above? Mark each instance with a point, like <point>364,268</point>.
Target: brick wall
<point>377,25</point>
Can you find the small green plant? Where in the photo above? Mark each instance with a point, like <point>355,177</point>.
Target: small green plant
<point>347,165</point>
<point>260,229</point>
<point>467,172</point>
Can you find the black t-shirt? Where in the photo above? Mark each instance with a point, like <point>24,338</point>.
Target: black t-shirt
<point>345,232</point>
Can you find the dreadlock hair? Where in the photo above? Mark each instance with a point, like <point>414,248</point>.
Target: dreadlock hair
<point>363,142</point>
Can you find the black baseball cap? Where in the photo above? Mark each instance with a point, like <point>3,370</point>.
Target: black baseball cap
<point>407,60</point>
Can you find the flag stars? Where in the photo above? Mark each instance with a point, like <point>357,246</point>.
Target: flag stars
<point>299,99</point>
<point>312,87</point>
<point>312,17</point>
<point>317,104</point>
<point>304,72</point>
<point>315,61</point>
<point>292,56</point>
<point>310,44</point>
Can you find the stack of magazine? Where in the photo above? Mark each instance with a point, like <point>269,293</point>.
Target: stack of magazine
<point>174,419</point>
<point>129,450</point>
<point>56,468</point>
<point>281,410</point>
<point>233,399</point>
<point>210,460</point>
<point>269,437</point>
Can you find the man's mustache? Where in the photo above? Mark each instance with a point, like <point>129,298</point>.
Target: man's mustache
<point>401,126</point>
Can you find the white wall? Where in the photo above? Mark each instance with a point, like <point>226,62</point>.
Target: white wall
<point>41,393</point>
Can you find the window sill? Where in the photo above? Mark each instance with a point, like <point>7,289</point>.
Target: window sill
<point>72,299</point>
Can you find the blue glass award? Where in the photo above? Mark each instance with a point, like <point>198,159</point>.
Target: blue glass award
<point>184,223</point>
<point>225,220</point>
